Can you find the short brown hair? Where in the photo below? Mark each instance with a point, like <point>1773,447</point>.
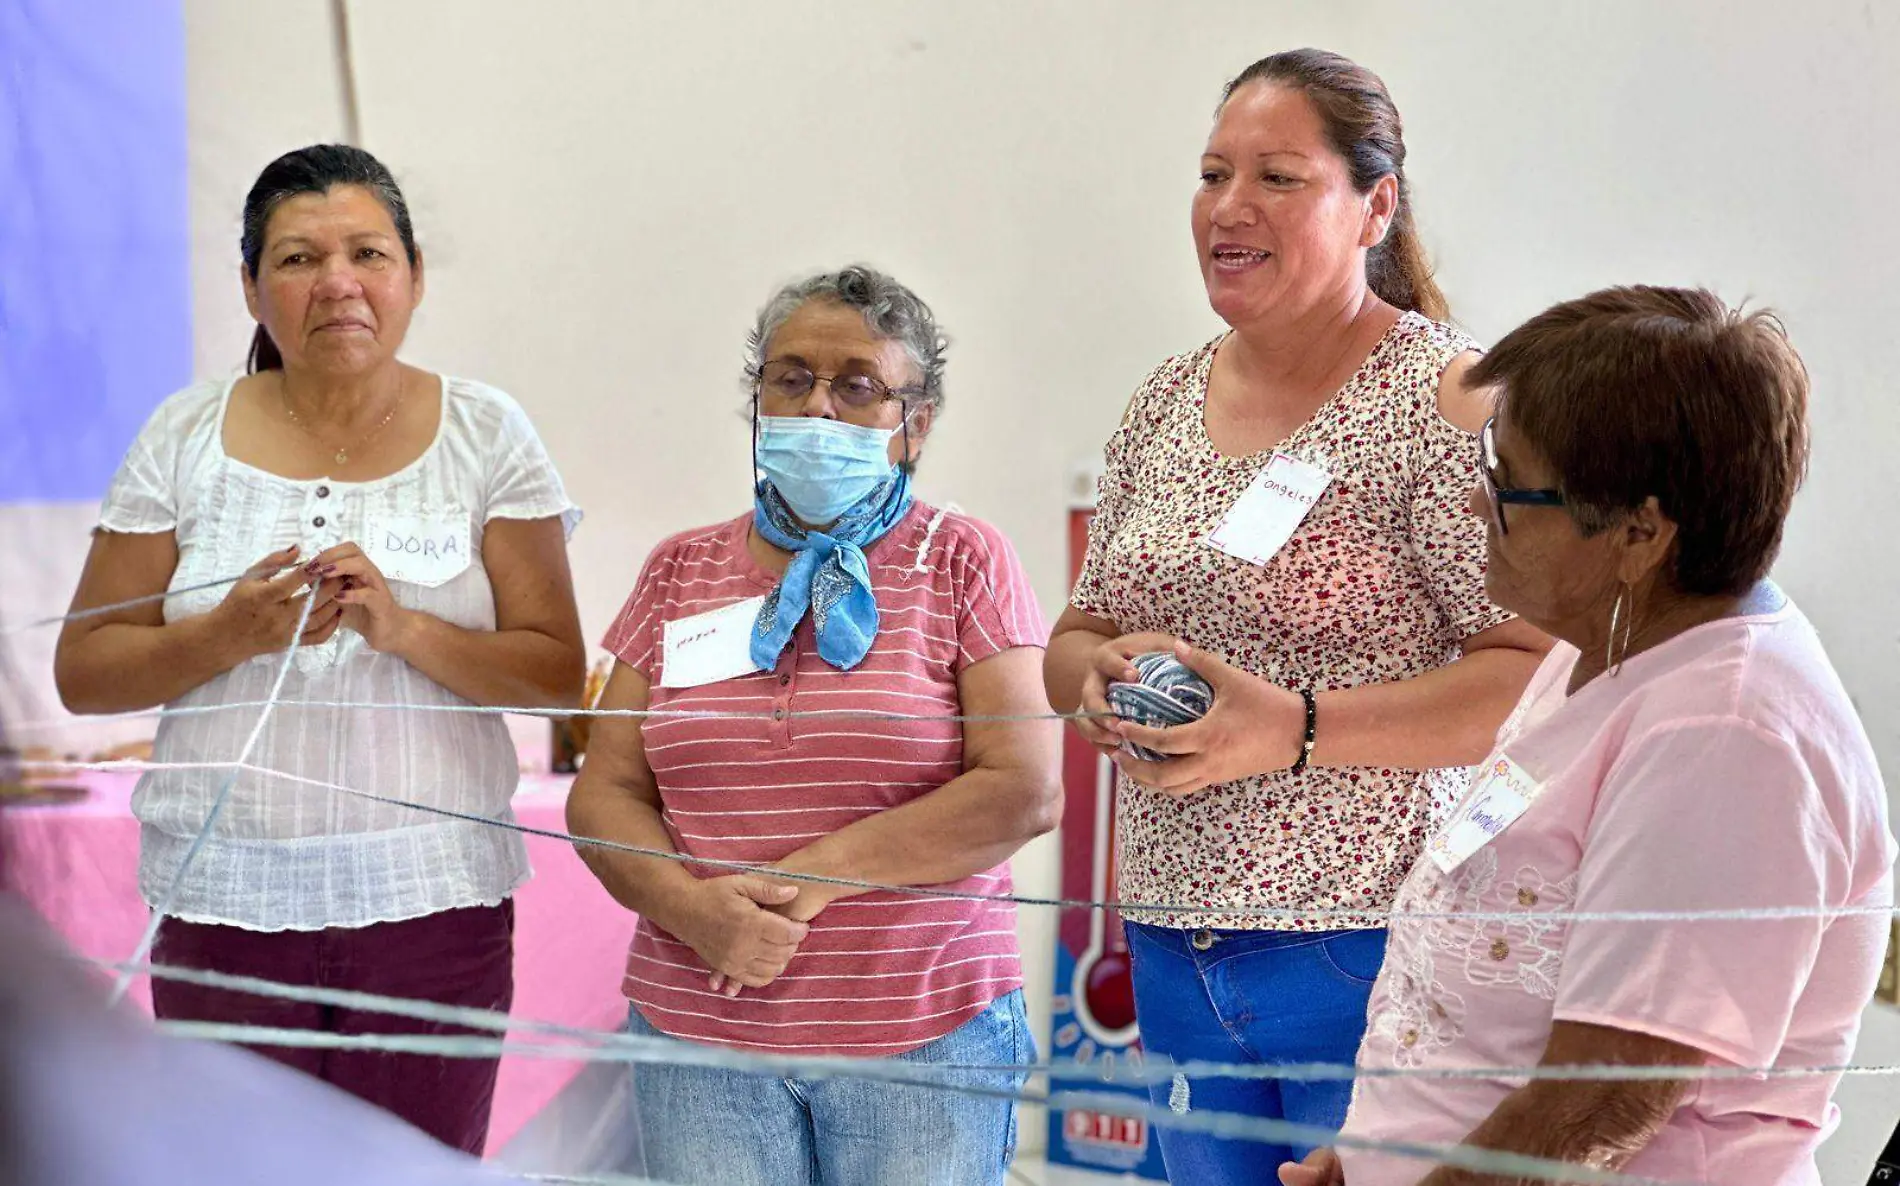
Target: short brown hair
<point>1639,391</point>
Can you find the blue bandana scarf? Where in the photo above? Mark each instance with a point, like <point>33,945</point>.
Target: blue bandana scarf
<point>828,575</point>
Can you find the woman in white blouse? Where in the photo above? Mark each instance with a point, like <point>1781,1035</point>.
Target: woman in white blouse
<point>418,521</point>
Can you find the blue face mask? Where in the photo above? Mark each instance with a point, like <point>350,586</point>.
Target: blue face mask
<point>821,468</point>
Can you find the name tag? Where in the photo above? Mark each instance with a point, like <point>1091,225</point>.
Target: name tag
<point>709,647</point>
<point>1267,513</point>
<point>1502,793</point>
<point>426,550</point>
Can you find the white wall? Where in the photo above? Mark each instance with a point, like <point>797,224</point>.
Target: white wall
<point>605,191</point>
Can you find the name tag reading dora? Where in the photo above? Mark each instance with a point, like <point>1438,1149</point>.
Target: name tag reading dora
<point>1502,792</point>
<point>423,550</point>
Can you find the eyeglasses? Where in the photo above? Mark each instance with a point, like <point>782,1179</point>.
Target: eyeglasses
<point>1500,495</point>
<point>791,383</point>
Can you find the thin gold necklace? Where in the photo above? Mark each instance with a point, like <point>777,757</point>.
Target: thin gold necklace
<point>343,451</point>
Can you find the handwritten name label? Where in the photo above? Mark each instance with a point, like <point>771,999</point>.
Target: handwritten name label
<point>428,550</point>
<point>1500,794</point>
<point>1484,818</point>
<point>1270,510</point>
<point>709,647</point>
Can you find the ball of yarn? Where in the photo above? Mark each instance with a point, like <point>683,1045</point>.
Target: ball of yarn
<point>1168,694</point>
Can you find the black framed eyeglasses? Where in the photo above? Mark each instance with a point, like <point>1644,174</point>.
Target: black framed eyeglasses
<point>1498,495</point>
<point>792,383</point>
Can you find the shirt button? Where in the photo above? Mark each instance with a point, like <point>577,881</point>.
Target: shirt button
<point>1500,950</point>
<point>1526,897</point>
<point>323,492</point>
<point>317,522</point>
<point>784,679</point>
<point>778,714</point>
<point>1202,940</point>
<point>1410,1039</point>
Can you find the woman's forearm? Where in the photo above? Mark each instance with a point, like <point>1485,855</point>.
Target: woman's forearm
<point>970,825</point>
<point>1448,716</point>
<point>654,887</point>
<point>1601,1125</point>
<point>1066,663</point>
<point>1598,1123</point>
<point>1071,654</point>
<point>498,668</point>
<point>122,667</point>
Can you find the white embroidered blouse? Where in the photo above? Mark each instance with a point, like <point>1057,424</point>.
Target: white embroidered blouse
<point>296,850</point>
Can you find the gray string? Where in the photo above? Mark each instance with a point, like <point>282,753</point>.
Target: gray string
<point>1141,1073</point>
<point>177,883</point>
<point>115,607</point>
<point>1232,1125</point>
<point>639,714</point>
<point>1347,915</point>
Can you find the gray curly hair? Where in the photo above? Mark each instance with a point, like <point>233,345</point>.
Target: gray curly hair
<point>890,310</point>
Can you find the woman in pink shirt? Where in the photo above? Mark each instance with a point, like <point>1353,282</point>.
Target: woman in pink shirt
<point>844,626</point>
<point>1686,747</point>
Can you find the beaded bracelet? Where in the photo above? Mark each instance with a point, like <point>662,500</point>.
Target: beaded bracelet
<point>1312,728</point>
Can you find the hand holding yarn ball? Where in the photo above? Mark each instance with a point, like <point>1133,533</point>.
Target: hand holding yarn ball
<point>1168,693</point>
<point>1190,720</point>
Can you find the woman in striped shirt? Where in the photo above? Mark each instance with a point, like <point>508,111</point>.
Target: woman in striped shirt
<point>840,626</point>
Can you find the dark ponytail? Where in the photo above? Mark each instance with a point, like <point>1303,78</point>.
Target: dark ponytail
<point>264,355</point>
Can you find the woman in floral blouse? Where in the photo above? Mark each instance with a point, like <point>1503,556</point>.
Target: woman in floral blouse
<point>1284,508</point>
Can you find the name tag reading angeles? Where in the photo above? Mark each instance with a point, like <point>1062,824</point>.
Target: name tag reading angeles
<point>1270,510</point>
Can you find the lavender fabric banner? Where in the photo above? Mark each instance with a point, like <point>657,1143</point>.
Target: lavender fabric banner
<point>95,292</point>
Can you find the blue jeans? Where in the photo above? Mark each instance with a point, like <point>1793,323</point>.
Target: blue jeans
<point>1250,997</point>
<point>703,1126</point>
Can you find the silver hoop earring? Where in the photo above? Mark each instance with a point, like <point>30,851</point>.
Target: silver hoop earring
<point>1613,654</point>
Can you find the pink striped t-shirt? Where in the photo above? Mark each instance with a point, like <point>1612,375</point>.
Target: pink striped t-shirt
<point>880,973</point>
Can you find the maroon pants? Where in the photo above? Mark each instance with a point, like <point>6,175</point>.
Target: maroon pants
<point>457,957</point>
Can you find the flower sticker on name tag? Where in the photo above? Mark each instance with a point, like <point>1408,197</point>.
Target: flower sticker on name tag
<point>427,550</point>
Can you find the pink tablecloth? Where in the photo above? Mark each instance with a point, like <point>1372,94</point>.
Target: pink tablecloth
<point>78,865</point>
